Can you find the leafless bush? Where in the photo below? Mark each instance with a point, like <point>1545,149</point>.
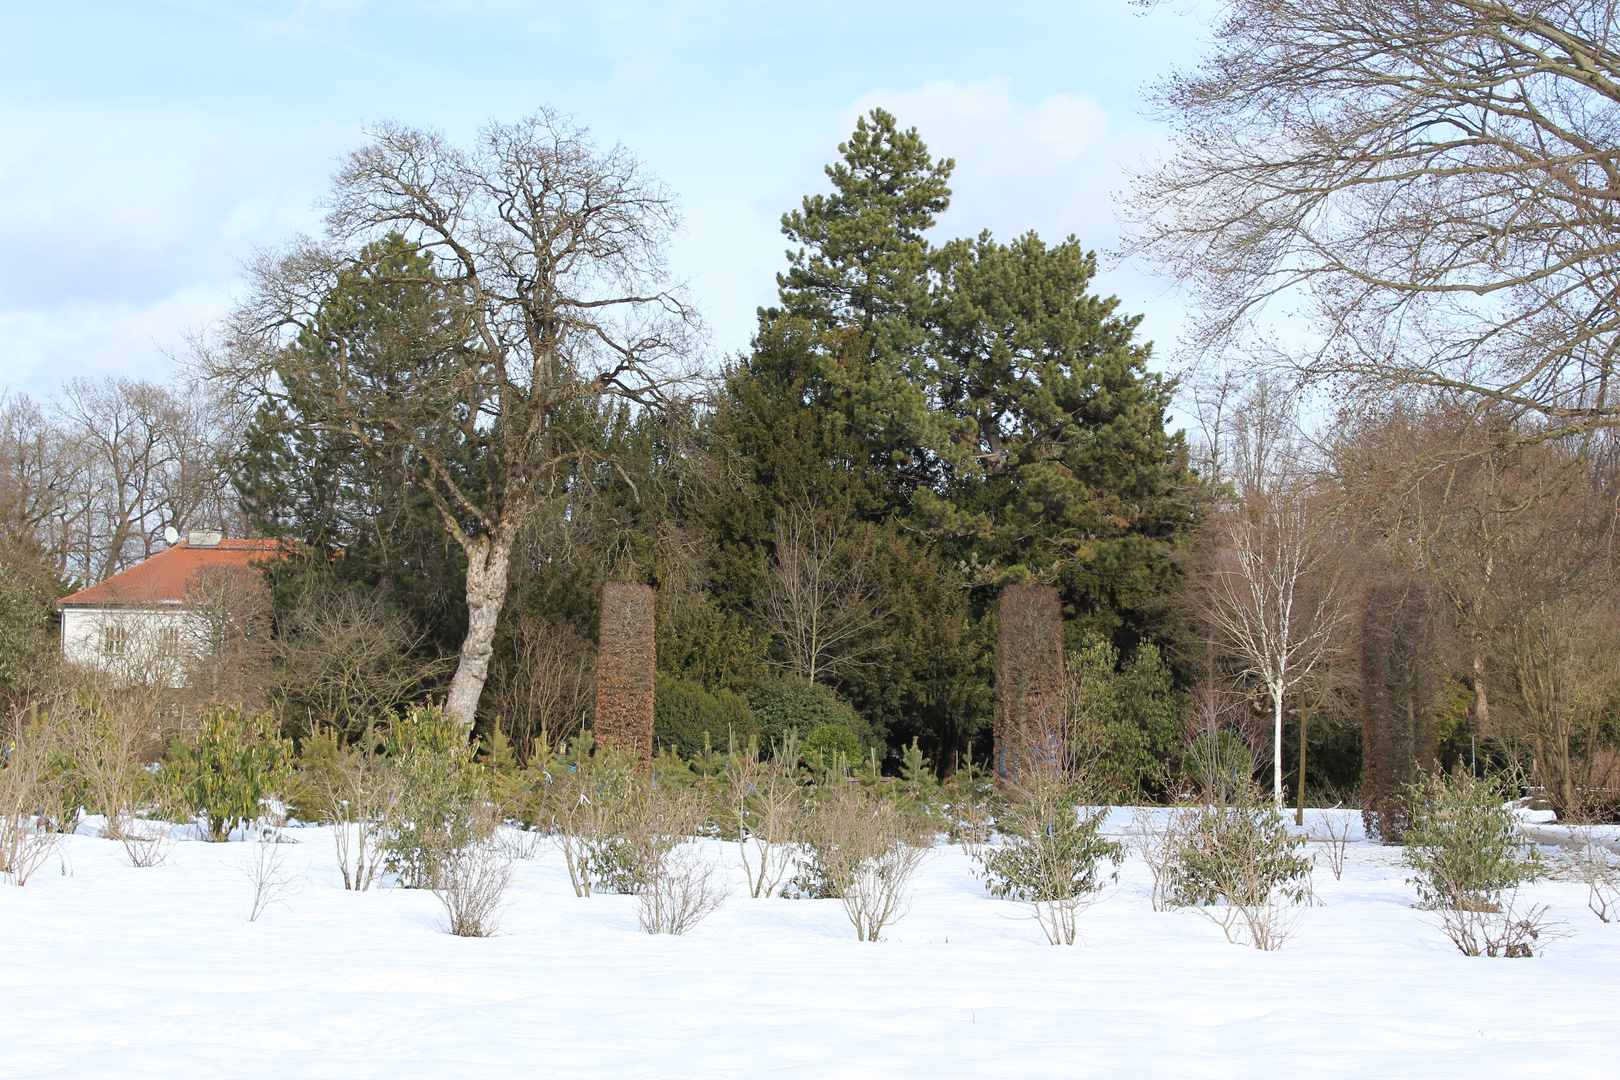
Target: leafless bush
<point>824,605</point>
<point>1598,866</point>
<point>227,646</point>
<point>520,843</point>
<point>146,843</point>
<point>764,801</point>
<point>584,803</point>
<point>31,743</point>
<point>549,685</point>
<point>966,800</point>
<point>655,820</point>
<point>868,850</point>
<point>683,888</point>
<point>266,867</point>
<point>1335,841</point>
<point>1497,928</point>
<point>471,883</point>
<point>342,658</point>
<point>360,797</point>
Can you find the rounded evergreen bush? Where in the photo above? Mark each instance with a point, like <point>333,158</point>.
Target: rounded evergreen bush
<point>684,711</point>
<point>831,738</point>
<point>780,704</point>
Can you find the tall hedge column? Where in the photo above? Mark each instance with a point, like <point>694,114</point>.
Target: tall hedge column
<point>1029,681</point>
<point>1398,657</point>
<point>624,672</point>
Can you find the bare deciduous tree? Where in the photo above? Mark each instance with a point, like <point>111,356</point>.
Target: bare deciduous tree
<point>550,685</point>
<point>1435,181</point>
<point>1269,595</point>
<point>344,659</point>
<point>823,604</point>
<point>544,262</point>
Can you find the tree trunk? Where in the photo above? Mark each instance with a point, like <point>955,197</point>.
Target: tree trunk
<point>1276,747</point>
<point>1304,726</point>
<point>488,558</point>
<point>1482,701</point>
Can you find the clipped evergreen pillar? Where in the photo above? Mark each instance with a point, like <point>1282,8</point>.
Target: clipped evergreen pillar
<point>1399,646</point>
<point>624,672</point>
<point>1029,680</point>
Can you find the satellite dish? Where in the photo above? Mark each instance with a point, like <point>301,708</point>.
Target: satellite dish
<point>171,535</point>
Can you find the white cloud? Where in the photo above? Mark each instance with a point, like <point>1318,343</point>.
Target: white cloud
<point>124,232</point>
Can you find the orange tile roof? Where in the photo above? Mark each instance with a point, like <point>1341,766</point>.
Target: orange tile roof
<point>162,578</point>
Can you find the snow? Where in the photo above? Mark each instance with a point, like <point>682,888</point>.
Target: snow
<point>107,970</point>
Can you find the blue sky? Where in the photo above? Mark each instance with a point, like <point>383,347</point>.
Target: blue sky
<point>147,148</point>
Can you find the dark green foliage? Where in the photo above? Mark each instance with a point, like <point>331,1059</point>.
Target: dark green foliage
<point>697,641</point>
<point>226,768</point>
<point>690,719</point>
<point>830,740</point>
<point>1128,716</point>
<point>25,620</point>
<point>781,704</point>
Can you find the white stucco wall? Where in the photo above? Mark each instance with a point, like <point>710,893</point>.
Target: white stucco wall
<point>155,641</point>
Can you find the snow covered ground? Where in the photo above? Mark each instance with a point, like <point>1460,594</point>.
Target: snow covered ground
<point>111,971</point>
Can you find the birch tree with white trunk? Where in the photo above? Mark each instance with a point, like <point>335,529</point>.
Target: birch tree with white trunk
<point>535,261</point>
<point>1269,595</point>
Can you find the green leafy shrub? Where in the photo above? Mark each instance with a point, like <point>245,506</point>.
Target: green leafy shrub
<point>1463,845</point>
<point>1051,855</point>
<point>1238,864</point>
<point>1468,860</point>
<point>442,794</point>
<point>226,769</point>
<point>781,705</point>
<point>684,713</point>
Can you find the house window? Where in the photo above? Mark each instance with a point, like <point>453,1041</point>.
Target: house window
<point>169,640</point>
<point>114,639</point>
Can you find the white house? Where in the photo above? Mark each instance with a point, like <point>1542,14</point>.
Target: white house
<point>149,621</point>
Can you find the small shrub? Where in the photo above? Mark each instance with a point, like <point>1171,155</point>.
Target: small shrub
<point>146,843</point>
<point>1051,856</point>
<point>441,794</point>
<point>654,819</point>
<point>763,805</point>
<point>681,889</point>
<point>266,867</point>
<point>1336,840</point>
<point>1240,866</point>
<point>231,764</point>
<point>471,882</point>
<point>1598,867</point>
<point>867,849</point>
<point>29,745</point>
<point>357,791</point>
<point>580,800</point>
<point>965,801</point>
<point>1468,860</point>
